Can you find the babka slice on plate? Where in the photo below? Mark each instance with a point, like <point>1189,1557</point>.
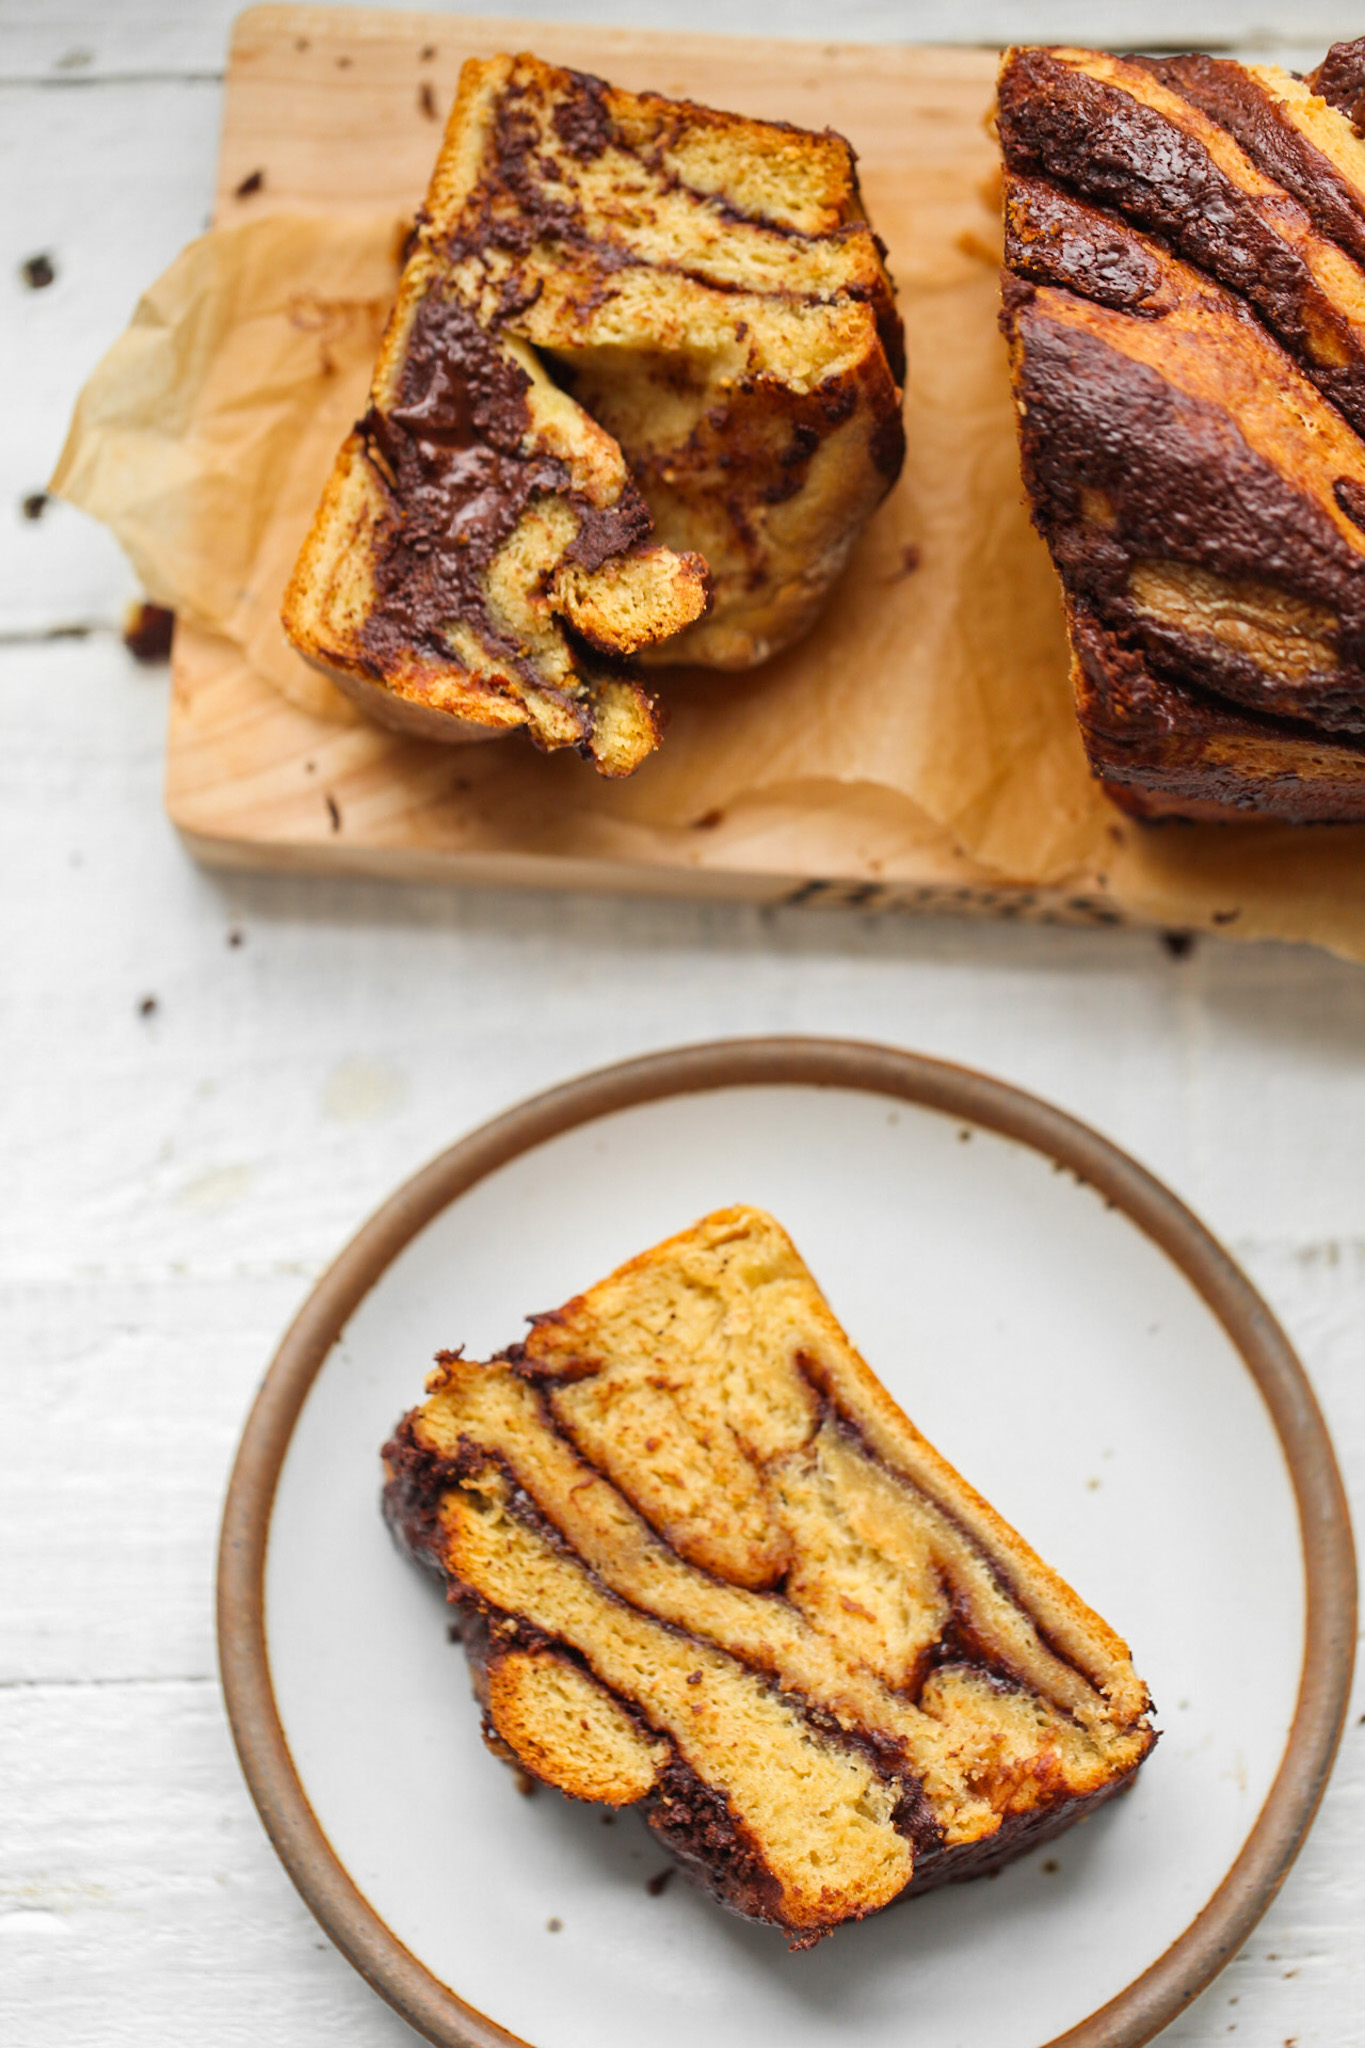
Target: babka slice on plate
<point>644,366</point>
<point>705,1564</point>
<point>1185,306</point>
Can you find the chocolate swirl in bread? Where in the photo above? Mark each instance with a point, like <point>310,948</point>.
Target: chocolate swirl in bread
<point>707,1565</point>
<point>1185,307</point>
<point>640,390</point>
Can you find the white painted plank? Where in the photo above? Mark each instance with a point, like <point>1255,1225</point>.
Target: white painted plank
<point>108,186</point>
<point>141,1904</point>
<point>283,1085</point>
<point>119,1416</point>
<point>74,43</point>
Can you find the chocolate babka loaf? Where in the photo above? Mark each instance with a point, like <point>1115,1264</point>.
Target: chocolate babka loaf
<point>639,392</point>
<point>705,1564</point>
<point>1185,305</point>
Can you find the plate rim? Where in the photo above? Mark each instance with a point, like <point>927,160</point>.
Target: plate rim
<point>1158,1994</point>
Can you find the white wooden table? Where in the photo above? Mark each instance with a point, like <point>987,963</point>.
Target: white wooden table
<point>209,1080</point>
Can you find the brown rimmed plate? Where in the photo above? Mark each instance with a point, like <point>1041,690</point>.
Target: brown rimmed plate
<point>1065,1330</point>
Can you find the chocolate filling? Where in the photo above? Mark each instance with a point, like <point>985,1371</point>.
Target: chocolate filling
<point>1229,95</point>
<point>1173,748</point>
<point>1176,481</point>
<point>1062,125</point>
<point>450,458</point>
<point>1340,79</point>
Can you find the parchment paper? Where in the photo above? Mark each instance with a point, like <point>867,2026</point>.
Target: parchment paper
<point>933,692</point>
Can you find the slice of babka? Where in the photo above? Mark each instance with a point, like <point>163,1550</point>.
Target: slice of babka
<point>644,366</point>
<point>1185,306</point>
<point>705,1564</point>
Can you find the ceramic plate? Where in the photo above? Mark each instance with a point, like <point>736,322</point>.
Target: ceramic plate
<point>1053,1319</point>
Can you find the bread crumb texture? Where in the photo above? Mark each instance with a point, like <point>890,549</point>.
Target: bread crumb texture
<point>640,390</point>
<point>708,1565</point>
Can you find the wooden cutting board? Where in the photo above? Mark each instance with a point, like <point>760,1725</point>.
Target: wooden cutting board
<point>336,109</point>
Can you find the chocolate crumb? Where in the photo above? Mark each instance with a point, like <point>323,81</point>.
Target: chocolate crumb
<point>609,1820</point>
<point>333,809</point>
<point>1179,945</point>
<point>708,821</point>
<point>34,505</point>
<point>252,182</point>
<point>661,1880</point>
<point>427,53</point>
<point>426,100</point>
<point>236,937</point>
<point>38,272</point>
<point>147,631</point>
<point>1050,1866</point>
<point>1350,496</point>
<point>454,1633</point>
<point>147,1007</point>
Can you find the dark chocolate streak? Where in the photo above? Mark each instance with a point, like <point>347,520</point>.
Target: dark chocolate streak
<point>959,1645</point>
<point>1182,484</point>
<point>1072,129</point>
<point>689,1816</point>
<point>1229,95</point>
<point>433,1475</point>
<point>1053,238</point>
<point>1162,741</point>
<point>1340,79</point>
<point>449,456</point>
<point>692,1818</point>
<point>514,210</point>
<point>693,1821</point>
<point>450,459</point>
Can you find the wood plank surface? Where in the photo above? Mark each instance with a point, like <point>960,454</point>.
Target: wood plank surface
<point>342,109</point>
<point>336,109</point>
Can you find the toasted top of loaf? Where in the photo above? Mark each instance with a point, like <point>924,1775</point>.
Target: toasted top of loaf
<point>1185,302</point>
<point>707,288</point>
<point>712,1566</point>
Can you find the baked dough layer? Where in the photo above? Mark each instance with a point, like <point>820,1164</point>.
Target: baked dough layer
<point>639,392</point>
<point>708,1565</point>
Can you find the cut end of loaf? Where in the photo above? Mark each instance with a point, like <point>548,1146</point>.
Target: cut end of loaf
<point>711,1568</point>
